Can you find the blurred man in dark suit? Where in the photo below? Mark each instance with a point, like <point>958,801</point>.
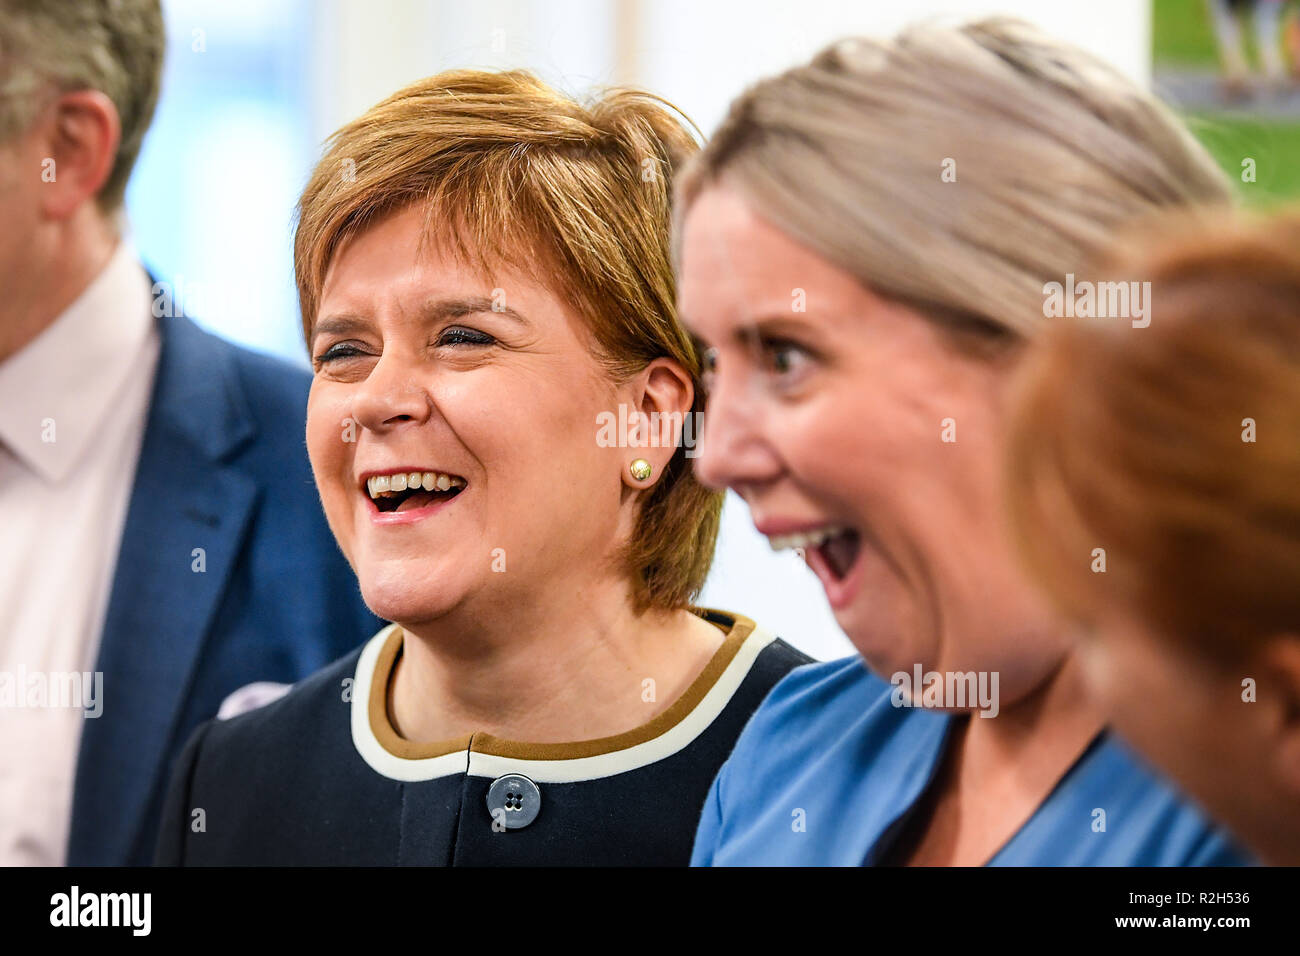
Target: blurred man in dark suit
<point>163,549</point>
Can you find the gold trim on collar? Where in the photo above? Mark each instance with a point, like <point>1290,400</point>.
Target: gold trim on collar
<point>735,626</point>
<point>382,724</point>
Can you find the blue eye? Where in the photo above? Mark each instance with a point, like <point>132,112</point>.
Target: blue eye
<point>784,358</point>
<point>459,335</point>
<point>708,367</point>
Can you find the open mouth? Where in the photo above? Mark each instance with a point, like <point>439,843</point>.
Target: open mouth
<point>837,548</point>
<point>409,490</point>
<point>841,552</point>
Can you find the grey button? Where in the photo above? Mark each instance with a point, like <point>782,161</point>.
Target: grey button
<point>514,800</point>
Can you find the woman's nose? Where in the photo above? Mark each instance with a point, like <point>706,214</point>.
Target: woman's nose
<point>389,396</point>
<point>733,448</point>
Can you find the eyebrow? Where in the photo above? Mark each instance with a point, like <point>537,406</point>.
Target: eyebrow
<point>434,310</point>
<point>337,325</point>
<point>754,331</point>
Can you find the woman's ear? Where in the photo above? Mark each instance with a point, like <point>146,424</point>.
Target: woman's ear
<point>1281,662</point>
<point>662,397</point>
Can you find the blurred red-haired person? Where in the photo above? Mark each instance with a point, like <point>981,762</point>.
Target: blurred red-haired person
<point>1155,489</point>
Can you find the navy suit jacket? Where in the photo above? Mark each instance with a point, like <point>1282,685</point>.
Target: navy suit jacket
<point>223,468</point>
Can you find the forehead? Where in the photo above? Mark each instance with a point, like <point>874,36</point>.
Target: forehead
<point>404,256</point>
<point>398,270</point>
<point>738,268</point>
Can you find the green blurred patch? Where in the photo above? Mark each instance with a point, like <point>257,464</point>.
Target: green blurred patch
<point>1275,148</point>
<point>1181,33</point>
<point>1182,37</point>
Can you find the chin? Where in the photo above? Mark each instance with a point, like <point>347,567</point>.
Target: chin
<point>883,642</point>
<point>406,601</point>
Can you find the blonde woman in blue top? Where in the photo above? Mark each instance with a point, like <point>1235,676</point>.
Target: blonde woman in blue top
<point>865,250</point>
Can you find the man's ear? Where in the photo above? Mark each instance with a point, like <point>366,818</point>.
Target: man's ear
<point>662,396</point>
<point>81,133</point>
<point>1280,659</point>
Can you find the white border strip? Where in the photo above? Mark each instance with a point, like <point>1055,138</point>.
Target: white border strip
<point>569,770</point>
<point>363,735</point>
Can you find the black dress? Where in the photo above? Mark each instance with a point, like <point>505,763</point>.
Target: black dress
<point>320,777</point>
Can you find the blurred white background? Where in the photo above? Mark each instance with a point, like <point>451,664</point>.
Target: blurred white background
<point>252,88</point>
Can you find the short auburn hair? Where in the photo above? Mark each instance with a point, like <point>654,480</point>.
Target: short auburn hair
<point>1174,447</point>
<point>577,196</point>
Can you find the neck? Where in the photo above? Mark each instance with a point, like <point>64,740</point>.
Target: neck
<point>559,668</point>
<point>53,268</point>
<point>1033,742</point>
<point>999,770</point>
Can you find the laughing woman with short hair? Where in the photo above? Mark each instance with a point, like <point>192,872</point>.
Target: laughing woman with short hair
<point>483,267</point>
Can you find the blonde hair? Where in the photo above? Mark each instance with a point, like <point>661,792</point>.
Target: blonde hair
<point>1176,447</point>
<point>578,196</point>
<point>113,46</point>
<point>1051,150</point>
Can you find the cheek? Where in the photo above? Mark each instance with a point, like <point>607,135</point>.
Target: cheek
<point>18,214</point>
<point>501,422</point>
<point>888,428</point>
<point>331,439</point>
<point>831,444</point>
<point>925,488</point>
<point>536,441</point>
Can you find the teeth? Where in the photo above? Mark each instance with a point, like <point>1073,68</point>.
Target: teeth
<point>412,481</point>
<point>805,539</point>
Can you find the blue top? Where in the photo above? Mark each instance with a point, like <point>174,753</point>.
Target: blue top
<point>828,768</point>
